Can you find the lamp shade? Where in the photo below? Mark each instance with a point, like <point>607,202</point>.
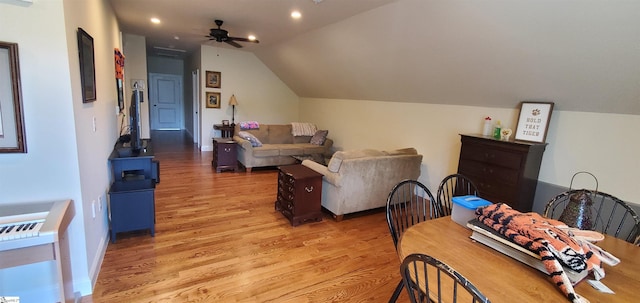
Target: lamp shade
<point>233,101</point>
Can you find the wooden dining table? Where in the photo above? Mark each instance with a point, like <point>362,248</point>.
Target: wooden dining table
<point>503,279</point>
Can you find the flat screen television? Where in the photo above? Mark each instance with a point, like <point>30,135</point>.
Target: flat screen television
<point>134,120</point>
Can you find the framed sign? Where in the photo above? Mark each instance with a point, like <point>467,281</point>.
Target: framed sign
<point>213,79</point>
<point>533,122</point>
<point>12,134</point>
<point>213,100</point>
<point>87,66</point>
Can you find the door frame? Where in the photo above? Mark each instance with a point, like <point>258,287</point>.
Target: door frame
<point>195,95</point>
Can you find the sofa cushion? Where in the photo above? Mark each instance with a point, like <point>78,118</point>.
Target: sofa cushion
<point>267,150</point>
<point>336,159</point>
<point>291,149</point>
<point>319,137</point>
<point>301,139</point>
<point>251,138</point>
<point>402,151</point>
<point>260,133</point>
<point>280,134</point>
<point>359,153</point>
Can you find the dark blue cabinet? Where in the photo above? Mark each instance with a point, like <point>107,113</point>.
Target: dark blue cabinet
<point>132,206</point>
<point>132,194</point>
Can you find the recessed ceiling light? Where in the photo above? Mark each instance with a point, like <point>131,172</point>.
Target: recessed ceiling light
<point>252,37</point>
<point>155,20</point>
<point>296,15</point>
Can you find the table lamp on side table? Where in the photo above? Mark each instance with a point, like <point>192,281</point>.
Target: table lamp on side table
<point>233,102</point>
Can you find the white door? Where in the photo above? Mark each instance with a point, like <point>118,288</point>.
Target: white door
<point>165,100</point>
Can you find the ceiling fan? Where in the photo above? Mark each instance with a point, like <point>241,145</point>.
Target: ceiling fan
<point>222,35</point>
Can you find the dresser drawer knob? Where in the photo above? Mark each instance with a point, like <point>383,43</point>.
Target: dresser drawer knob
<point>227,149</point>
<point>308,189</point>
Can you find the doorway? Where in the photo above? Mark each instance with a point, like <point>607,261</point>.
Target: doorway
<point>165,102</point>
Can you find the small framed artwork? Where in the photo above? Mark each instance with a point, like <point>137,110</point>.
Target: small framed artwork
<point>225,122</point>
<point>87,66</point>
<point>533,122</point>
<point>213,100</point>
<point>213,79</point>
<point>12,134</point>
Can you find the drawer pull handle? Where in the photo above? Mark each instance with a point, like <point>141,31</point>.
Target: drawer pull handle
<point>227,149</point>
<point>308,189</point>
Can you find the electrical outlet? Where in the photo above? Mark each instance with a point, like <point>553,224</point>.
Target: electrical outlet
<point>94,124</point>
<point>93,209</point>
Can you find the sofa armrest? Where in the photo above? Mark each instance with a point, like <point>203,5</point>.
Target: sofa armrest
<point>245,144</point>
<point>328,143</point>
<point>331,177</point>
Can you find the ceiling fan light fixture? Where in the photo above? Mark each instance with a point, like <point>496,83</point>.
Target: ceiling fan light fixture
<point>221,35</point>
<point>252,37</point>
<point>296,15</point>
<point>155,20</point>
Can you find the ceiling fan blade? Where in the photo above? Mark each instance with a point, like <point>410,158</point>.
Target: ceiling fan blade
<point>231,42</point>
<point>243,39</point>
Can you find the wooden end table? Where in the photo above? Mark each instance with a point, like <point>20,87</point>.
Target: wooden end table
<point>224,154</point>
<point>299,194</point>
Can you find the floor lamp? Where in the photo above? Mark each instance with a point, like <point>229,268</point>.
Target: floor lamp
<point>233,102</point>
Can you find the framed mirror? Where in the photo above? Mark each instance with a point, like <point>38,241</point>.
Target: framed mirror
<point>12,138</point>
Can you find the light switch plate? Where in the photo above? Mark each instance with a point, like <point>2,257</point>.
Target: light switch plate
<point>137,83</point>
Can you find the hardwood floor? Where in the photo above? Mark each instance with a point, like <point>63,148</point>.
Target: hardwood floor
<point>219,239</point>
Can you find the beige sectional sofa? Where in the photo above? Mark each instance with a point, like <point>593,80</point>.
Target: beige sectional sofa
<point>278,146</point>
<point>360,180</point>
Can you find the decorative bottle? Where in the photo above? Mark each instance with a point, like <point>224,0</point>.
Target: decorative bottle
<point>496,130</point>
<point>488,127</point>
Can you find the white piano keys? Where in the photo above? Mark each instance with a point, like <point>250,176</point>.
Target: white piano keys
<point>20,230</point>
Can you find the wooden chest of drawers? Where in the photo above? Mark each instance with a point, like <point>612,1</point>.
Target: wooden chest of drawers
<point>503,171</point>
<point>299,194</point>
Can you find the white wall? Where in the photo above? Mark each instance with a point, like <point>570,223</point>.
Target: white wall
<point>261,95</point>
<point>603,144</point>
<point>66,159</point>
<point>94,144</point>
<point>135,68</point>
<point>50,168</point>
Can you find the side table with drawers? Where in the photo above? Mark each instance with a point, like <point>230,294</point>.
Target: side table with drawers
<point>299,194</point>
<point>224,154</point>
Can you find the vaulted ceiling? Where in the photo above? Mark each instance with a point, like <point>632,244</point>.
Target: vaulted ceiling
<point>582,54</point>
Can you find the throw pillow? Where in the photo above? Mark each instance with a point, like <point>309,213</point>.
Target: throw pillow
<point>335,162</point>
<point>251,138</point>
<point>334,165</point>
<point>319,137</point>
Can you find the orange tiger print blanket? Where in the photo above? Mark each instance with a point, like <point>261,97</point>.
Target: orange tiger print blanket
<point>549,239</point>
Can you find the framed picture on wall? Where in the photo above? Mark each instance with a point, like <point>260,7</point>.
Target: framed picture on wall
<point>213,100</point>
<point>533,122</point>
<point>87,66</point>
<point>12,134</point>
<point>213,79</point>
